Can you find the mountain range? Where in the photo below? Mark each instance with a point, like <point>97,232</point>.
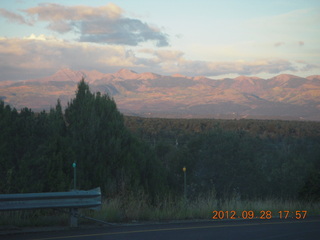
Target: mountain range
<point>148,94</point>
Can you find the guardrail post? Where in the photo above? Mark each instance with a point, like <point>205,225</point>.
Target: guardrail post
<point>73,217</point>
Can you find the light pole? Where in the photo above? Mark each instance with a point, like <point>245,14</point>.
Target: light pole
<point>74,165</point>
<point>184,169</point>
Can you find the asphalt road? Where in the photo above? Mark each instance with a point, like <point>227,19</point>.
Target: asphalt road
<point>305,229</point>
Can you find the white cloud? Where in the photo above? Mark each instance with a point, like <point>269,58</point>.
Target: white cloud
<point>43,37</point>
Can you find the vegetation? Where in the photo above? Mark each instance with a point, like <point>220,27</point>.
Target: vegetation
<point>138,162</point>
<point>37,150</point>
<point>137,207</point>
<point>251,158</point>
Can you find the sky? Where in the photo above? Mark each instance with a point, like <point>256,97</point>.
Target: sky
<point>212,38</point>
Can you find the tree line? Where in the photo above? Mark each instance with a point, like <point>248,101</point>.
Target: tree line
<point>250,158</point>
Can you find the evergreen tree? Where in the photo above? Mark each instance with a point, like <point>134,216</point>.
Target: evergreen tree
<point>106,153</point>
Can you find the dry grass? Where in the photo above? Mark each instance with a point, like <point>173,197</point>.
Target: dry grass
<point>138,208</point>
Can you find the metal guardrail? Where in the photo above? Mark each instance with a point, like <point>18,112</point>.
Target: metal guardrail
<point>72,200</point>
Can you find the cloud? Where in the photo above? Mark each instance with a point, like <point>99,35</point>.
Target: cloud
<point>172,61</point>
<point>60,26</point>
<point>11,16</point>
<point>278,44</point>
<point>40,55</point>
<point>163,55</point>
<point>122,31</point>
<point>206,68</point>
<point>169,55</point>
<point>52,12</point>
<point>308,67</point>
<point>105,24</point>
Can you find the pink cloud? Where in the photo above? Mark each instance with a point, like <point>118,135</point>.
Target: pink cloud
<point>11,16</point>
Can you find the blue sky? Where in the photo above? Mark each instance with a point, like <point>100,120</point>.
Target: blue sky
<point>211,38</point>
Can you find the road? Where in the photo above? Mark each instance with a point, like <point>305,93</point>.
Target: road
<point>305,229</point>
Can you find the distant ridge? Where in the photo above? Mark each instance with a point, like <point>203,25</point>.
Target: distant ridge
<point>283,96</point>
<point>126,74</point>
<point>314,77</point>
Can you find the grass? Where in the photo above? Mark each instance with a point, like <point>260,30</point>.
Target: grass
<point>33,218</point>
<point>136,208</point>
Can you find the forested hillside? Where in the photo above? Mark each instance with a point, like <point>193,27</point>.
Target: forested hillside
<point>252,158</point>
<point>248,158</point>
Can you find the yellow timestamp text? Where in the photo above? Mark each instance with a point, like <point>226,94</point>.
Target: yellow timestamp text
<point>263,214</point>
